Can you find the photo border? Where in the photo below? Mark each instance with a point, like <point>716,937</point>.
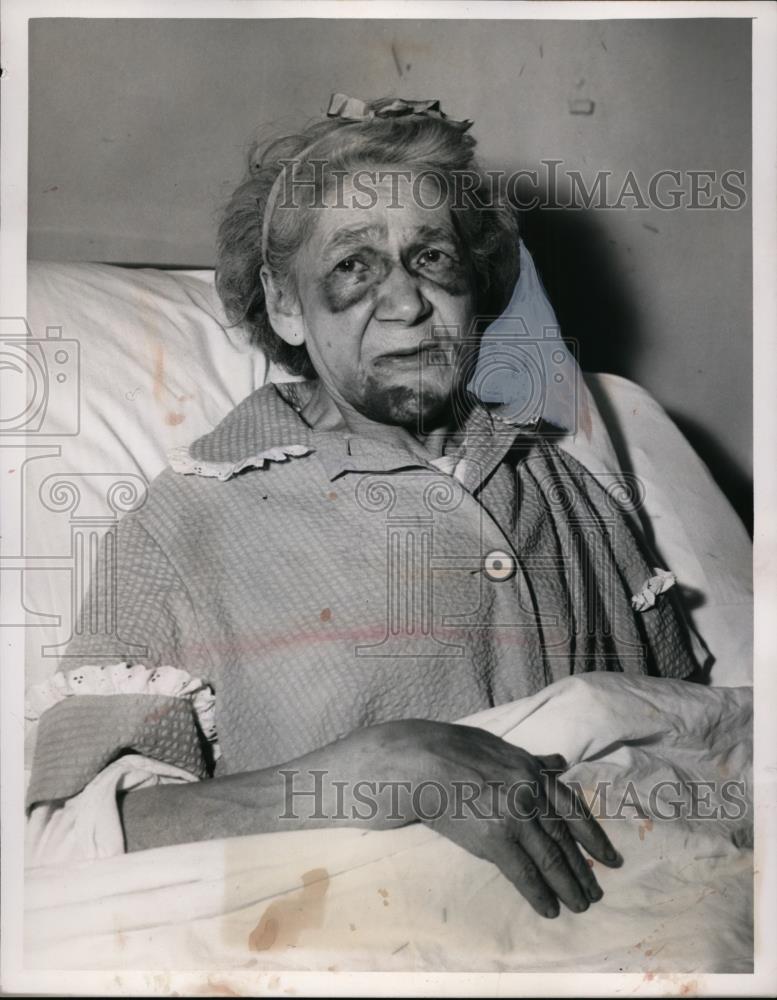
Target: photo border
<point>13,243</point>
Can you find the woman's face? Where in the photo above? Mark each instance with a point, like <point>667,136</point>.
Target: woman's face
<point>373,284</point>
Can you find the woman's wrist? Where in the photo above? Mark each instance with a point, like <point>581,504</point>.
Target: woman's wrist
<point>364,779</point>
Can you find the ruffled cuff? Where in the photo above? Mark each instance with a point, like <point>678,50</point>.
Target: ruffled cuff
<point>125,678</point>
<point>90,716</point>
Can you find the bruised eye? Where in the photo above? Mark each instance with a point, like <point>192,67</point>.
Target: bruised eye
<point>350,265</point>
<point>432,257</point>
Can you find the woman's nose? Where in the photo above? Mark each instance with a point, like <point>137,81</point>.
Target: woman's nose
<point>400,298</point>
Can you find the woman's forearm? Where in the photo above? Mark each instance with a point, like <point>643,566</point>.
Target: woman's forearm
<point>204,810</point>
<point>276,798</point>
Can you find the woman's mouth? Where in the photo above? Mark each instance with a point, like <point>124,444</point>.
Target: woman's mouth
<point>424,354</point>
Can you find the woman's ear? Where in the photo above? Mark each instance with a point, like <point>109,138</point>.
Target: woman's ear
<point>283,311</point>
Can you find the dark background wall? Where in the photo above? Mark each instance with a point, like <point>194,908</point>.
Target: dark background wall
<point>138,131</point>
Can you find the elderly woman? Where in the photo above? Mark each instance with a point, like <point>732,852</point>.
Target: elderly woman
<point>349,562</point>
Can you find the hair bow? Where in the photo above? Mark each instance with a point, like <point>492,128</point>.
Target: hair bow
<point>353,109</point>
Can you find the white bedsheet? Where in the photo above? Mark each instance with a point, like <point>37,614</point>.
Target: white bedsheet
<point>409,900</point>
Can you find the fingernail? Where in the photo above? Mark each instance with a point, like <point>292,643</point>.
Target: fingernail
<point>613,857</point>
<point>595,893</point>
<point>552,910</point>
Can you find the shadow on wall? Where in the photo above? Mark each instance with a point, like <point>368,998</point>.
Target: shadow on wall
<point>580,269</point>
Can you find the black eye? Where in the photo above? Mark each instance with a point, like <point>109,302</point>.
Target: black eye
<point>350,265</point>
<point>430,256</point>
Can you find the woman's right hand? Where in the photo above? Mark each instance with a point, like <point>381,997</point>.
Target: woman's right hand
<point>497,801</point>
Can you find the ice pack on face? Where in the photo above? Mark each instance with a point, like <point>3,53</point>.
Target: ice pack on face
<point>525,371</point>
